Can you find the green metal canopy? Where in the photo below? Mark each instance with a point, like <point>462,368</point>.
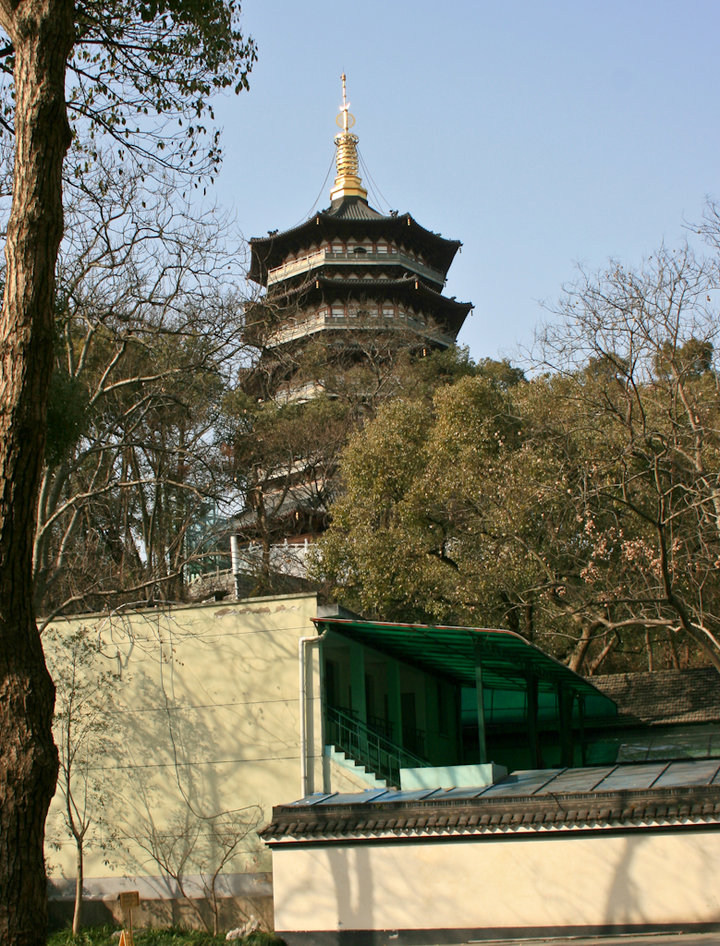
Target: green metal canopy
<point>506,660</point>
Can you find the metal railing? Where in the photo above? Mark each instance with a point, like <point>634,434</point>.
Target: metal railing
<point>368,747</point>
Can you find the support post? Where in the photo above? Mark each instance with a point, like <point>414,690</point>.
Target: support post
<point>394,700</point>
<point>565,704</point>
<point>480,707</point>
<point>357,681</point>
<point>532,721</point>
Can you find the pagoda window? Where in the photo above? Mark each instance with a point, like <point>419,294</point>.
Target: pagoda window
<point>382,247</point>
<point>338,311</point>
<point>388,311</point>
<point>337,248</point>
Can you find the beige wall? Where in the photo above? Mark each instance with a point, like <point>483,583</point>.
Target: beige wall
<point>204,719</point>
<point>520,882</point>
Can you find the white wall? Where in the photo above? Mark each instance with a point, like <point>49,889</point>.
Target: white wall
<point>530,882</point>
<point>204,719</point>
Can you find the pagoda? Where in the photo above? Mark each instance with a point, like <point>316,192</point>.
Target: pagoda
<point>359,286</point>
<point>346,276</point>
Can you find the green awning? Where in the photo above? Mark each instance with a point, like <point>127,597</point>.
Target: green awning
<point>507,659</point>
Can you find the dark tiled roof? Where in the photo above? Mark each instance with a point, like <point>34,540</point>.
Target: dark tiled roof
<point>353,208</point>
<point>533,801</point>
<point>410,288</point>
<point>349,218</point>
<point>665,696</point>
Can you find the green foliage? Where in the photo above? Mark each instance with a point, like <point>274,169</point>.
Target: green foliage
<point>67,417</point>
<point>107,936</point>
<point>400,531</point>
<point>142,75</point>
<point>93,936</point>
<point>579,508</point>
<point>285,453</point>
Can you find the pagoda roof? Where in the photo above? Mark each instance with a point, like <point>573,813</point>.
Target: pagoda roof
<point>410,288</point>
<point>353,208</point>
<point>350,216</point>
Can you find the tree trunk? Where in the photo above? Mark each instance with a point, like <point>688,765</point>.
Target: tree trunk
<point>41,32</point>
<point>79,881</point>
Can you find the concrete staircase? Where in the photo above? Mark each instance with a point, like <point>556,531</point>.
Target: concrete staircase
<point>344,774</point>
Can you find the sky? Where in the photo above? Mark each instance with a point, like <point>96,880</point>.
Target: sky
<point>543,135</point>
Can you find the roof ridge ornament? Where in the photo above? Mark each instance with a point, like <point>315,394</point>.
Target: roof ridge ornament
<point>347,182</point>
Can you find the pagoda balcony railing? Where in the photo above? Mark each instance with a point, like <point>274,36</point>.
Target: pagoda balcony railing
<point>301,328</point>
<point>289,557</point>
<point>352,259</point>
<point>299,393</point>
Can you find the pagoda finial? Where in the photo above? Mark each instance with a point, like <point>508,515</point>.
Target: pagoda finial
<point>347,182</point>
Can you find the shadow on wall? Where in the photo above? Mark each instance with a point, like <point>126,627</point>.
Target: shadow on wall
<point>354,887</point>
<point>177,765</point>
<point>163,913</point>
<point>623,900</point>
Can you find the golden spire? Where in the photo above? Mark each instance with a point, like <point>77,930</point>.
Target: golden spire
<point>347,182</point>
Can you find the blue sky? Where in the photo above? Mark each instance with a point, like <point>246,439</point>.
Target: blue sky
<point>540,134</point>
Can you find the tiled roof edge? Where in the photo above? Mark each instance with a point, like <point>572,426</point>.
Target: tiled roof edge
<point>696,804</point>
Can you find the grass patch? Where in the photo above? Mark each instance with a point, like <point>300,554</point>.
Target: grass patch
<point>103,936</point>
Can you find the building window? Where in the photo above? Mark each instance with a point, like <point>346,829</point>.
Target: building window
<point>338,311</point>
<point>388,311</point>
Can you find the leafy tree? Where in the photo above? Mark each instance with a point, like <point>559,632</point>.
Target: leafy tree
<point>140,78</point>
<point>579,508</point>
<point>293,412</point>
<point>167,58</point>
<point>284,458</point>
<point>404,529</point>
